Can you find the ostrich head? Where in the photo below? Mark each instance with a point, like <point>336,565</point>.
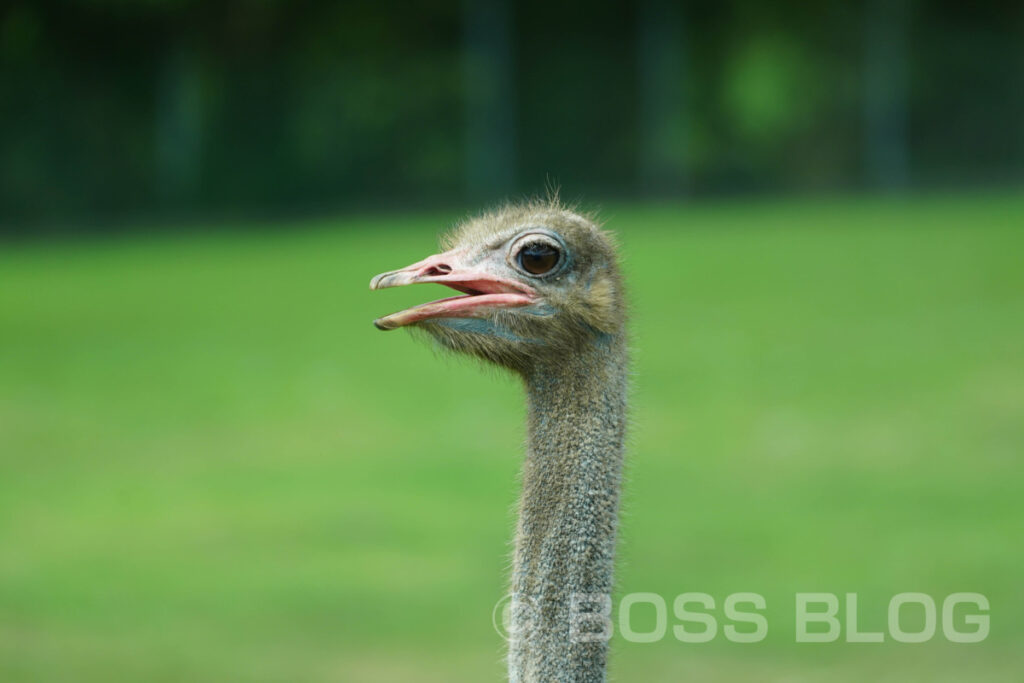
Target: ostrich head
<point>537,282</point>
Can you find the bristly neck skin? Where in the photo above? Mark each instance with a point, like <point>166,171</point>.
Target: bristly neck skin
<point>568,516</point>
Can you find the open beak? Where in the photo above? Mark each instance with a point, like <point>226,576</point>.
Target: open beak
<point>482,292</point>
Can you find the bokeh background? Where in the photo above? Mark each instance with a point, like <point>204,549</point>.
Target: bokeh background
<point>213,468</point>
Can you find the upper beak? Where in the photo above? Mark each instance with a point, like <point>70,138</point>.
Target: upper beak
<point>482,290</point>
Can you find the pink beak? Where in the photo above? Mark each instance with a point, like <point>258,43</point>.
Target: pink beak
<point>482,291</point>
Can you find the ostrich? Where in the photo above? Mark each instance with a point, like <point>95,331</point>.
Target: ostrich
<point>542,297</point>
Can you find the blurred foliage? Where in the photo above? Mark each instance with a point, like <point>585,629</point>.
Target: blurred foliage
<point>114,108</point>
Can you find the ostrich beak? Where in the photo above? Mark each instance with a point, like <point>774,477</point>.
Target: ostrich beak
<point>482,291</point>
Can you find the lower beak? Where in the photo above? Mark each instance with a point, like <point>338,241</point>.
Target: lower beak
<point>482,292</point>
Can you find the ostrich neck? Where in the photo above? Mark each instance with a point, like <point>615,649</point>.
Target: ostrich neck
<point>565,540</point>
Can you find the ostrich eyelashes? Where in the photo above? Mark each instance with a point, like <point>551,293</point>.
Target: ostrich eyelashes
<point>538,256</point>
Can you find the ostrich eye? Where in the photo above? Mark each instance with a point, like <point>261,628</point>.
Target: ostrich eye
<point>538,258</point>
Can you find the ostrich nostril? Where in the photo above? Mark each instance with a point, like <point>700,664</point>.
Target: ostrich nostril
<point>438,269</point>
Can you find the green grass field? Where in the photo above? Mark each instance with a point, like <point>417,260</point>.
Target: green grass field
<point>213,467</point>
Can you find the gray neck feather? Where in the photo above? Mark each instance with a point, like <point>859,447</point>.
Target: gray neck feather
<point>565,540</point>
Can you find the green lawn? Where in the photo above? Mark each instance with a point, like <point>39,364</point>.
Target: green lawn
<point>214,468</point>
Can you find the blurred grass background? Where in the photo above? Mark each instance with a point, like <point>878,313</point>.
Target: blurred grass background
<point>214,468</point>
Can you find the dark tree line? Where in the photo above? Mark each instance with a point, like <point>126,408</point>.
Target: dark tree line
<point>114,109</point>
